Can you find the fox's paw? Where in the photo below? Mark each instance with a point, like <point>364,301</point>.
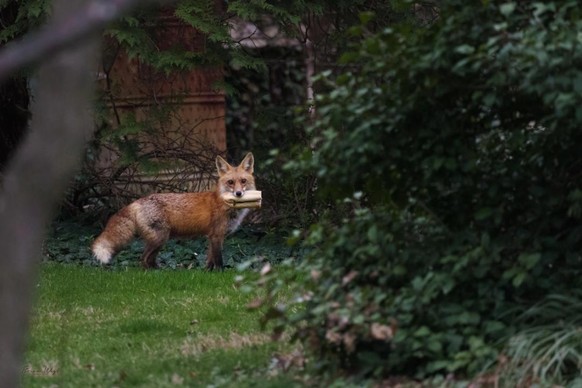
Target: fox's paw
<point>213,266</point>
<point>148,265</point>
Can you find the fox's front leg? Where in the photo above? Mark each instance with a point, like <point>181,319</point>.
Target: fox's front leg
<point>214,256</point>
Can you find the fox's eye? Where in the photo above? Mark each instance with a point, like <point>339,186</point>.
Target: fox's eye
<point>230,182</point>
<point>243,181</point>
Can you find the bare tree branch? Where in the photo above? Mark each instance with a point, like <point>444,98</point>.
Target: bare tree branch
<point>59,34</point>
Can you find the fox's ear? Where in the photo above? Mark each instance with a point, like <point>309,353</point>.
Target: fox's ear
<point>248,163</point>
<point>222,166</point>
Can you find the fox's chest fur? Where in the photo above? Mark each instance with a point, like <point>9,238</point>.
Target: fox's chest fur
<point>236,218</point>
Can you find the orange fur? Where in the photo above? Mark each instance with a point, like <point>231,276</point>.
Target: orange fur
<point>158,217</point>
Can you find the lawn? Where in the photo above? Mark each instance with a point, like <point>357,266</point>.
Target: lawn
<point>128,327</point>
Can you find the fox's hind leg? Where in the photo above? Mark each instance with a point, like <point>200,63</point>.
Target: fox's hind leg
<point>148,258</point>
<point>155,235</point>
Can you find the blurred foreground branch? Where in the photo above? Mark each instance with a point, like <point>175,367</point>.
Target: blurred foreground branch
<point>37,176</point>
<point>64,31</point>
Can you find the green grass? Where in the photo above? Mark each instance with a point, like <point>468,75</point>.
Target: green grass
<point>103,328</point>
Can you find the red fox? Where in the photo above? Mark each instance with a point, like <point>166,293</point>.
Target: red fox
<point>158,217</point>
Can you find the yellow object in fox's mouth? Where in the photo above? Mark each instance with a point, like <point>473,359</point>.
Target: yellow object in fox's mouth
<point>250,200</point>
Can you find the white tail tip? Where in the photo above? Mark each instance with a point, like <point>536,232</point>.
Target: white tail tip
<point>102,253</point>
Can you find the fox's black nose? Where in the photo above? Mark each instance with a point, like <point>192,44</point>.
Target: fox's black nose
<point>238,193</point>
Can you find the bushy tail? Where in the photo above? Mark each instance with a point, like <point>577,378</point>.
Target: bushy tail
<point>118,232</point>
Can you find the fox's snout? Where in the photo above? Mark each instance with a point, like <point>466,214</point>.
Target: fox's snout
<point>238,193</point>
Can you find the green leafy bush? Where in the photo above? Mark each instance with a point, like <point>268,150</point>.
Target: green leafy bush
<point>451,153</point>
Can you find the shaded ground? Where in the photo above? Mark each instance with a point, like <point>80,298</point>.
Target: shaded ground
<point>70,243</point>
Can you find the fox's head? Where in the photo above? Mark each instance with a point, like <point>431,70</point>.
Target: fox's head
<point>236,180</point>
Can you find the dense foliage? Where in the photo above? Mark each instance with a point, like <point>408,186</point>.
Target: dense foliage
<point>15,20</point>
<point>451,152</point>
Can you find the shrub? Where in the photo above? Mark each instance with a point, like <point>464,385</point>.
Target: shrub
<point>548,351</point>
<point>451,155</point>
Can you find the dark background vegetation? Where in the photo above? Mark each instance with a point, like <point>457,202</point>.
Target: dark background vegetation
<point>435,194</point>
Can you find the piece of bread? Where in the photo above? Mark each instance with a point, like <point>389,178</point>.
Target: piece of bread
<point>251,199</point>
